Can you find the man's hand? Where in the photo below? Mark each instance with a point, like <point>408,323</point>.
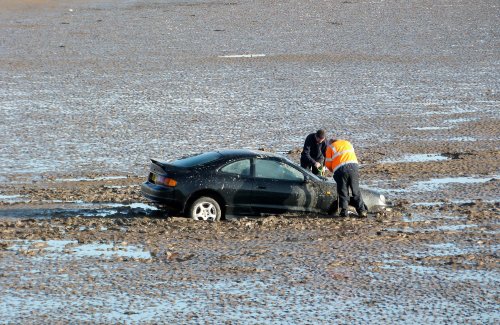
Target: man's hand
<point>317,165</point>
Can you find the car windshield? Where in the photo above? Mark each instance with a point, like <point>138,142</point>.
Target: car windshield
<point>197,159</point>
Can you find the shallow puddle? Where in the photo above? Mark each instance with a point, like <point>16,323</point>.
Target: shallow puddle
<point>13,199</point>
<point>121,209</point>
<point>85,179</point>
<point>461,120</point>
<point>463,139</point>
<point>70,248</point>
<point>417,217</point>
<point>235,56</point>
<point>433,128</point>
<point>432,228</point>
<point>59,208</point>
<point>455,227</point>
<point>436,183</point>
<point>418,158</point>
<point>440,203</point>
<point>446,249</point>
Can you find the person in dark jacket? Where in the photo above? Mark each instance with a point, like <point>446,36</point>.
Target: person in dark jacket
<point>313,153</point>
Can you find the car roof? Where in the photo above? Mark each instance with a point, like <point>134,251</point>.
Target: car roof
<point>246,153</point>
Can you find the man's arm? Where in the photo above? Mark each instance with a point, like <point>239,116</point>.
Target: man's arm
<point>307,150</point>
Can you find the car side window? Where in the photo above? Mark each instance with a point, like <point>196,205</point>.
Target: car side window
<point>240,167</point>
<point>265,168</point>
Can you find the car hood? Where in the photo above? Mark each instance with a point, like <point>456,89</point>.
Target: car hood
<point>373,199</point>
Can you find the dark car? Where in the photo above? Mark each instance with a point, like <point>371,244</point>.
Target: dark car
<point>214,184</point>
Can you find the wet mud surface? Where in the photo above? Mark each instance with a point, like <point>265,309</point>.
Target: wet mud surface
<point>90,91</point>
<point>95,251</point>
<point>416,266</point>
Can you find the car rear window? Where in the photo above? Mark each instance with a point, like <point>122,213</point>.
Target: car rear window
<point>240,167</point>
<point>197,159</point>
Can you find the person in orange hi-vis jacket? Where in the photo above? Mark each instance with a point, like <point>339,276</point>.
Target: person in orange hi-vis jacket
<point>340,159</point>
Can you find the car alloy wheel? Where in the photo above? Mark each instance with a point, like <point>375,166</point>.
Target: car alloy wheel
<point>205,208</point>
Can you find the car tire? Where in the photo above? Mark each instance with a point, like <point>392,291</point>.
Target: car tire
<point>205,208</point>
<point>334,208</point>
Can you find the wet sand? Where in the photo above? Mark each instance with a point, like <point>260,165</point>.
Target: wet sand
<point>91,90</point>
<point>95,251</point>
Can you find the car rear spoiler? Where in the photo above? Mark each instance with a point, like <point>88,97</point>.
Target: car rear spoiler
<point>161,167</point>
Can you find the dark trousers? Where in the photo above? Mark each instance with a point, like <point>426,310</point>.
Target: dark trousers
<point>307,165</point>
<point>347,176</point>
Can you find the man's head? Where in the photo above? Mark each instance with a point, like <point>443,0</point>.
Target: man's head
<point>320,135</point>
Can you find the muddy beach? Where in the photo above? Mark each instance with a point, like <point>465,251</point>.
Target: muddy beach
<point>90,91</point>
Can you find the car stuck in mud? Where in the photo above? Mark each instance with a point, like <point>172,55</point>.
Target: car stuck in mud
<point>214,184</point>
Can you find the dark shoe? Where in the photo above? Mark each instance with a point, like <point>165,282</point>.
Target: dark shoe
<point>343,214</point>
<point>363,214</point>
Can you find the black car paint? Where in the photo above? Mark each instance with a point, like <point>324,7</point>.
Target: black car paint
<point>240,194</point>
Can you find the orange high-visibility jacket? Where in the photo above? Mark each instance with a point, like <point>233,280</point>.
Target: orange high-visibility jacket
<point>339,153</point>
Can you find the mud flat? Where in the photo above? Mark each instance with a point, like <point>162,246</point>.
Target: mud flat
<point>415,265</point>
<point>89,91</point>
<point>93,250</point>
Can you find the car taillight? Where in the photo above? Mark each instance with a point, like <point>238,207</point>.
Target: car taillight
<point>170,182</point>
<point>162,180</point>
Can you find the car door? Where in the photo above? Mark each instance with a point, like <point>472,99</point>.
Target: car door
<point>280,187</point>
<point>236,186</point>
